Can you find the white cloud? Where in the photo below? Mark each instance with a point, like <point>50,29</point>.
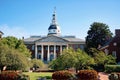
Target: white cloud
<point>15,31</point>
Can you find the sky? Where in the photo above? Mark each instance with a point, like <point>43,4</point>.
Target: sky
<point>24,18</point>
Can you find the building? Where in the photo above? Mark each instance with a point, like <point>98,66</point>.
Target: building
<point>51,46</point>
<point>113,46</point>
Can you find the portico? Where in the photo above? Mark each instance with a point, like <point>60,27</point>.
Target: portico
<point>48,51</point>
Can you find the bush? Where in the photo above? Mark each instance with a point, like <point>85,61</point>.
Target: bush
<point>87,75</point>
<point>8,75</point>
<point>114,76</point>
<point>12,75</point>
<point>112,68</point>
<point>62,75</point>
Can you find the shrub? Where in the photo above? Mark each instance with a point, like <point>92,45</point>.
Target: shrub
<point>112,68</point>
<point>114,76</point>
<point>87,75</point>
<point>8,75</point>
<point>62,75</point>
<point>12,75</point>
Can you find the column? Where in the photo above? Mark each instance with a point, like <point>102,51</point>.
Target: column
<point>54,51</point>
<point>36,51</point>
<point>42,52</point>
<point>60,49</point>
<point>48,54</point>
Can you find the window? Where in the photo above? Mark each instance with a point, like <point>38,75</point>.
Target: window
<point>53,30</point>
<point>57,48</point>
<point>76,46</point>
<point>114,53</point>
<point>33,47</point>
<point>46,48</point>
<point>51,48</point>
<point>81,46</point>
<point>106,51</point>
<point>39,48</point>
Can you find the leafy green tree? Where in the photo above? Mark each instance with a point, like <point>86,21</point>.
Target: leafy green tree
<point>12,59</point>
<point>70,58</point>
<point>15,43</point>
<point>36,63</point>
<point>84,61</point>
<point>64,61</point>
<point>101,59</point>
<point>98,35</point>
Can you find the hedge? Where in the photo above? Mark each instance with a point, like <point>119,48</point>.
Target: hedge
<point>87,75</point>
<point>62,75</point>
<point>112,68</point>
<point>12,75</point>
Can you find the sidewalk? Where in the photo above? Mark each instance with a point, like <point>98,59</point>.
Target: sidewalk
<point>103,76</point>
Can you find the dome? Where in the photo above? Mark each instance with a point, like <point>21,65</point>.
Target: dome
<point>52,27</point>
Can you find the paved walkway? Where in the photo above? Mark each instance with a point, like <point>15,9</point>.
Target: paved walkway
<point>103,76</point>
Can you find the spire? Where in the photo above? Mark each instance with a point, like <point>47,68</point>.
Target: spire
<point>54,17</point>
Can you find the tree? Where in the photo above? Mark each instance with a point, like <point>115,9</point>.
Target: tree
<point>15,43</point>
<point>70,58</point>
<point>84,61</point>
<point>13,54</point>
<point>12,59</point>
<point>101,59</point>
<point>36,63</point>
<point>64,61</point>
<point>98,35</point>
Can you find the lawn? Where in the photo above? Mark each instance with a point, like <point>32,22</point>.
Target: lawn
<point>36,75</point>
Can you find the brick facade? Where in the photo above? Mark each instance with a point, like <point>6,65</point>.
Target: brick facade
<point>113,47</point>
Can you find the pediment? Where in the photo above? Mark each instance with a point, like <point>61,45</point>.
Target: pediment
<point>52,39</point>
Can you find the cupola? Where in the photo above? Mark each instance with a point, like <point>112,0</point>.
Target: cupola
<point>54,27</point>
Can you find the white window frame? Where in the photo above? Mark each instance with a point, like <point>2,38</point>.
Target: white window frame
<point>114,53</point>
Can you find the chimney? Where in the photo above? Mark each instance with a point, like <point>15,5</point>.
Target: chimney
<point>117,32</point>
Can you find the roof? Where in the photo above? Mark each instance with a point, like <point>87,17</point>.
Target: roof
<point>52,27</point>
<point>74,39</point>
<point>31,39</point>
<point>67,38</point>
<point>106,44</point>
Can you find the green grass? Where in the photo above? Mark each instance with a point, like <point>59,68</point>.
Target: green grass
<point>36,75</point>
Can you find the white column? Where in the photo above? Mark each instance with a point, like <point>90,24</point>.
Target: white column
<point>42,52</point>
<point>36,51</point>
<point>54,51</point>
<point>48,54</point>
<point>60,49</point>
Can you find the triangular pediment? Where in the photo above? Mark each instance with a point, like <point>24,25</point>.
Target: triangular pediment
<point>52,39</point>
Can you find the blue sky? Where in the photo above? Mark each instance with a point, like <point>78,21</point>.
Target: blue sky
<point>32,17</point>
